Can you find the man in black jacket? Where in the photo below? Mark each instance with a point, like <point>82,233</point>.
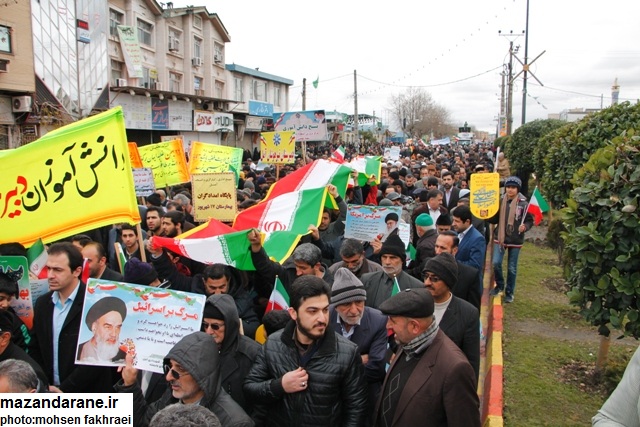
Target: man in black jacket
<point>192,368</point>
<point>237,352</point>
<point>458,319</point>
<point>306,374</point>
<point>56,327</point>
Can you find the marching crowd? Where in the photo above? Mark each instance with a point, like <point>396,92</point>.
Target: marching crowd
<point>370,337</point>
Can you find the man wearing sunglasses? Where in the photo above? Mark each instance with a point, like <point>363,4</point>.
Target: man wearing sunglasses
<point>192,369</point>
<point>237,352</point>
<point>457,318</point>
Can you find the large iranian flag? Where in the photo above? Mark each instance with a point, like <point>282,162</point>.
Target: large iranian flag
<point>537,206</point>
<point>229,249</point>
<point>317,174</point>
<point>283,220</point>
<point>279,299</point>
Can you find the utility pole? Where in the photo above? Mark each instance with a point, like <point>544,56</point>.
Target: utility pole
<point>509,101</point>
<point>304,94</point>
<point>355,107</point>
<point>525,67</point>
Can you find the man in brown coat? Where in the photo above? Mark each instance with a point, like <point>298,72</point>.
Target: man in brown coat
<point>430,380</point>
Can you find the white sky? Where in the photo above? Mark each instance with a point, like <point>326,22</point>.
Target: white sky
<point>450,48</point>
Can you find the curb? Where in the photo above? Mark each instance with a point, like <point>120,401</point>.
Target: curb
<point>492,398</point>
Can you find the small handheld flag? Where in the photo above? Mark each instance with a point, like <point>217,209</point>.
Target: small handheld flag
<point>279,299</point>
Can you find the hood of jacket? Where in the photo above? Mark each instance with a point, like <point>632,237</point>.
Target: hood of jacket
<point>227,306</point>
<point>197,353</point>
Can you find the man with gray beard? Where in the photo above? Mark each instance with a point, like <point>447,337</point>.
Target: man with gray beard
<point>104,319</point>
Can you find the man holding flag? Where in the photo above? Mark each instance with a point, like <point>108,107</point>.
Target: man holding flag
<point>513,220</point>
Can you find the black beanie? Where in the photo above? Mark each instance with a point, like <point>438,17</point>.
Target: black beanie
<point>394,246</point>
<point>445,267</point>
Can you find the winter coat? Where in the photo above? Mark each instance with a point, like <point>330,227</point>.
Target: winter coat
<point>513,238</point>
<point>237,352</point>
<point>197,353</point>
<point>335,395</point>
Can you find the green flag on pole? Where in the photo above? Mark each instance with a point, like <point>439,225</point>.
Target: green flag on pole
<point>315,83</point>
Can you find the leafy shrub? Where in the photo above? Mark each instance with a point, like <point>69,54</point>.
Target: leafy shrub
<point>602,241</point>
<point>561,153</point>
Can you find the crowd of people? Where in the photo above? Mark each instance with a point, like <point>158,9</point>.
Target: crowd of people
<point>370,337</point>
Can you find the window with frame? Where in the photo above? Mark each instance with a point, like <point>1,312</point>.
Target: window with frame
<point>174,40</point>
<point>116,72</point>
<point>148,79</point>
<point>197,21</point>
<point>219,89</point>
<point>259,90</point>
<point>5,39</point>
<point>218,56</point>
<point>175,80</point>
<point>198,84</point>
<point>115,18</point>
<point>145,33</point>
<point>277,91</point>
<point>238,88</point>
<point>197,47</point>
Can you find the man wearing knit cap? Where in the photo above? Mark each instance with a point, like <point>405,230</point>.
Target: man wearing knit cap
<point>140,273</point>
<point>458,319</point>
<point>364,326</point>
<point>443,223</point>
<point>429,378</point>
<point>513,221</point>
<point>379,285</point>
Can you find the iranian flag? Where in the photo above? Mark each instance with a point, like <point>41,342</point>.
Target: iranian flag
<point>338,155</point>
<point>537,206</point>
<point>279,299</point>
<point>85,270</point>
<point>229,249</point>
<point>287,212</point>
<point>37,258</point>
<point>319,173</point>
<point>122,259</point>
<point>396,286</point>
<point>366,166</point>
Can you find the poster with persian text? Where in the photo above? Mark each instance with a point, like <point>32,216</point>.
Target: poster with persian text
<point>123,318</point>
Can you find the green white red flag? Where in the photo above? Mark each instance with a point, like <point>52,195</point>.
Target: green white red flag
<point>537,206</point>
<point>338,155</point>
<point>37,258</point>
<point>366,166</point>
<point>396,286</point>
<point>279,299</point>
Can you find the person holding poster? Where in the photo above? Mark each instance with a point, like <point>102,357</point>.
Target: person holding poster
<point>104,319</point>
<point>56,327</point>
<point>192,368</point>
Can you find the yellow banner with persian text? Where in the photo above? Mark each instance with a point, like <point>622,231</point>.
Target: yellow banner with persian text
<point>484,200</point>
<point>73,179</point>
<point>167,161</point>
<point>212,158</point>
<point>278,147</point>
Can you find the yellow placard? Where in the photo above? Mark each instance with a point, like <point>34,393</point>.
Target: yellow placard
<point>214,196</point>
<point>212,158</point>
<point>73,179</point>
<point>278,147</point>
<point>484,199</point>
<point>167,161</point>
<point>134,156</point>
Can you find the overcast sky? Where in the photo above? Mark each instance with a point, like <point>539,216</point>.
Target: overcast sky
<point>450,48</point>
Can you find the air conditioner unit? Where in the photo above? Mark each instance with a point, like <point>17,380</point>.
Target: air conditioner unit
<point>217,58</point>
<point>21,104</point>
<point>197,61</point>
<point>157,86</point>
<point>174,44</point>
<point>4,66</point>
<point>121,82</point>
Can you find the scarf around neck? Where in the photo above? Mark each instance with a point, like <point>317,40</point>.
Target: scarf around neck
<point>506,225</point>
<point>420,343</point>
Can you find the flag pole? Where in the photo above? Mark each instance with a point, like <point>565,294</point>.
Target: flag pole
<point>271,304</point>
<point>524,215</point>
